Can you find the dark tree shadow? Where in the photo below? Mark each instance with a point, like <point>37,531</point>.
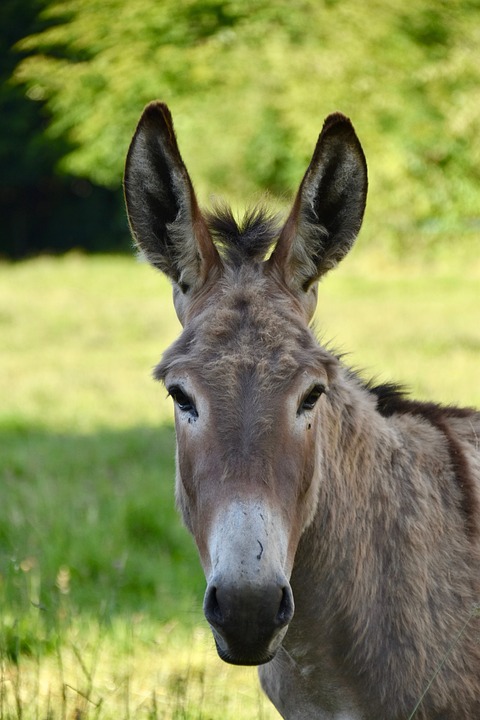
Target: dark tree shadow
<point>41,208</point>
<point>88,525</point>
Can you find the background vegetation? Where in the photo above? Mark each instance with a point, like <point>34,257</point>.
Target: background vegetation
<point>249,83</point>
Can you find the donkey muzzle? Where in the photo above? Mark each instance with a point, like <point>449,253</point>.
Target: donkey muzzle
<point>249,601</point>
<point>248,623</point>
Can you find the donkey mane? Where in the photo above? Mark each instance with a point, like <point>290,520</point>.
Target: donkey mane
<point>247,239</point>
<point>393,399</point>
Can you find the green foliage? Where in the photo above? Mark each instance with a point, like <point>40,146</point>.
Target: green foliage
<point>250,81</point>
<point>42,209</point>
<point>92,517</point>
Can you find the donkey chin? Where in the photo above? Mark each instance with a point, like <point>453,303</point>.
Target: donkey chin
<point>257,652</point>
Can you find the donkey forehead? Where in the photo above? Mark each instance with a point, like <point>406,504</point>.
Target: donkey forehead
<point>247,331</point>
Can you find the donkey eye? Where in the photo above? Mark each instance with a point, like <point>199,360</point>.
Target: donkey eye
<point>183,402</point>
<point>309,401</point>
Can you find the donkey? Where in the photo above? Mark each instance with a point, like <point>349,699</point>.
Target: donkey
<point>300,482</point>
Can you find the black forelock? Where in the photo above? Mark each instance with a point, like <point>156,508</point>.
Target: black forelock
<point>247,239</point>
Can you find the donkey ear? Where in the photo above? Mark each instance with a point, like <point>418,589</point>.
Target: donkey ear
<point>164,216</point>
<point>328,210</point>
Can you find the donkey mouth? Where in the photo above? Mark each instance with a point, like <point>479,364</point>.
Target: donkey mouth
<point>256,653</point>
<point>232,659</point>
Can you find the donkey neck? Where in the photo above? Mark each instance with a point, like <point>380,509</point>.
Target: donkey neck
<point>357,501</point>
<point>383,488</point>
<point>383,483</point>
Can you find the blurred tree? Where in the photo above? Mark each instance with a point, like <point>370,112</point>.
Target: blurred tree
<point>249,83</point>
<point>41,208</point>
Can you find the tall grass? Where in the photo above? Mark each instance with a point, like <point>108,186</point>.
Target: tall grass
<point>100,586</point>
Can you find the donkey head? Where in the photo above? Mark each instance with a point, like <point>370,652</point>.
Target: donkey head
<point>246,374</point>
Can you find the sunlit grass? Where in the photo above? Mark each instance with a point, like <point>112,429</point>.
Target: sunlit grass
<point>131,669</point>
<point>416,325</point>
<point>100,586</point>
<point>81,337</point>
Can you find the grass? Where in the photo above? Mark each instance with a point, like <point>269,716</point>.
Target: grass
<point>100,586</point>
<point>135,669</point>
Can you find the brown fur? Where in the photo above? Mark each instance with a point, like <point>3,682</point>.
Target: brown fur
<point>392,400</point>
<point>379,495</point>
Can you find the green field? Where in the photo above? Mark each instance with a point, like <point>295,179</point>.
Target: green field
<point>100,587</point>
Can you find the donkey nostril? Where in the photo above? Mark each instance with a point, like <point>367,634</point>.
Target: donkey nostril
<point>211,607</point>
<point>230,611</point>
<point>286,608</point>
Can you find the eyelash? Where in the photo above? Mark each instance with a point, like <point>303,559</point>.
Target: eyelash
<point>182,400</point>
<point>311,398</point>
